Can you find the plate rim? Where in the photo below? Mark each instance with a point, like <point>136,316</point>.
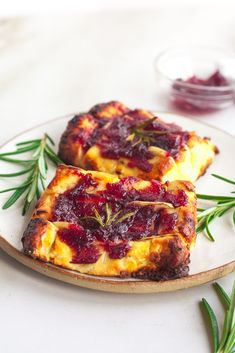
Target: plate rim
<point>111,284</point>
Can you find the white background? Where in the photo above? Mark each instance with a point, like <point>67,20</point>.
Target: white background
<point>54,65</point>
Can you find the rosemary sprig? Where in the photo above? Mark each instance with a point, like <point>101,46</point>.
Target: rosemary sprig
<point>36,169</point>
<point>225,342</point>
<point>154,204</point>
<point>110,218</point>
<point>222,204</point>
<point>142,135</point>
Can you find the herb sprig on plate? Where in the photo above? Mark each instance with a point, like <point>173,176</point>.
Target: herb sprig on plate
<point>225,342</point>
<point>35,168</point>
<point>221,205</point>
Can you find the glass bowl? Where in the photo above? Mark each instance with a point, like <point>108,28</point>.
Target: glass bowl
<point>197,79</point>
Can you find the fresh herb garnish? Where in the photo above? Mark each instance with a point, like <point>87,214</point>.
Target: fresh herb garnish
<point>225,342</point>
<point>36,169</point>
<point>154,204</point>
<point>142,135</point>
<point>110,218</point>
<point>222,205</point>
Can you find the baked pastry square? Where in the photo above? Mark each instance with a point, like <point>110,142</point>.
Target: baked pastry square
<point>99,224</point>
<point>112,138</point>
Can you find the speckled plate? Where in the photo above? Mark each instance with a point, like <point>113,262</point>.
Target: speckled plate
<point>209,260</point>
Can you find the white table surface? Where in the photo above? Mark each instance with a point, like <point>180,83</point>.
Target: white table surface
<point>53,66</point>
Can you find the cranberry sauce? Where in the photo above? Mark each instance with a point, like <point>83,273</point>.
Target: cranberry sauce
<point>113,216</point>
<point>198,96</point>
<point>123,136</point>
<point>216,80</point>
<point>114,139</point>
<point>81,241</point>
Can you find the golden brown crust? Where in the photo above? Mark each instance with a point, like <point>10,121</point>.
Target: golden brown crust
<point>32,236</point>
<point>108,110</point>
<point>71,147</point>
<point>170,264</point>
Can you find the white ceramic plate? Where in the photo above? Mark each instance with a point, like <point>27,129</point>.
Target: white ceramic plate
<point>208,260</point>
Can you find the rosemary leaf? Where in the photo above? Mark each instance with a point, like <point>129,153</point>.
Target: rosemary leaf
<point>206,212</point>
<point>145,123</point>
<point>108,211</point>
<point>25,207</point>
<point>209,218</point>
<point>200,209</point>
<point>231,340</point>
<point>28,142</point>
<point>49,149</point>
<point>14,197</point>
<point>16,187</point>
<point>32,190</point>
<point>50,139</point>
<point>37,152</point>
<point>42,182</point>
<point>229,345</point>
<point>10,189</point>
<point>225,332</point>
<point>224,179</point>
<point>222,294</point>
<point>52,156</point>
<point>232,307</point>
<point>42,166</point>
<point>213,324</point>
<point>38,193</point>
<point>19,151</point>
<point>225,210</point>
<point>99,218</point>
<point>25,171</point>
<point>112,219</point>
<point>15,161</point>
<point>201,226</point>
<point>214,198</point>
<point>125,216</point>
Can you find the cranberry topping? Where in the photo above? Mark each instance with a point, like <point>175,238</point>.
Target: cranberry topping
<point>216,80</point>
<point>154,192</point>
<point>117,251</point>
<point>114,139</point>
<point>198,98</point>
<point>122,190</point>
<point>118,137</point>
<point>80,241</point>
<point>178,199</point>
<point>69,207</point>
<point>168,222</point>
<point>113,216</point>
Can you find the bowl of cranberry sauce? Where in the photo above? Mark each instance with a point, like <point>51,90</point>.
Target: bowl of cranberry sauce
<point>197,79</point>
